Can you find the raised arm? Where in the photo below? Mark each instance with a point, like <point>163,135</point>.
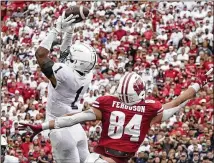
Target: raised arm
<point>42,52</point>
<point>64,49</point>
<point>43,60</point>
<point>175,105</point>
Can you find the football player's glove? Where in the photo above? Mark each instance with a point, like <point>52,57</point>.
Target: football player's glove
<point>65,24</point>
<point>34,129</point>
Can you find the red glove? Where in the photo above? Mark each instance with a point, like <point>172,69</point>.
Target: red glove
<point>203,79</point>
<point>35,129</point>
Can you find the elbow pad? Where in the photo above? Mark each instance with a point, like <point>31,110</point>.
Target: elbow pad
<point>67,121</point>
<point>167,113</point>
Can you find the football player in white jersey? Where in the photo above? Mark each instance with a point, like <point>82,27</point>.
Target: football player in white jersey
<point>6,158</point>
<point>69,80</point>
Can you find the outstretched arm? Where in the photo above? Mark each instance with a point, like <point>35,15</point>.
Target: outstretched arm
<point>175,105</point>
<point>60,122</point>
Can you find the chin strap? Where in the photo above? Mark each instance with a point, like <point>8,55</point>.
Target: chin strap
<point>81,73</point>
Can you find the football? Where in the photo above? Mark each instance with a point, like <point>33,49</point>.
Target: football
<point>80,13</point>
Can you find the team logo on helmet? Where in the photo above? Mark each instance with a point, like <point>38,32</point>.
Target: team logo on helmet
<point>138,86</point>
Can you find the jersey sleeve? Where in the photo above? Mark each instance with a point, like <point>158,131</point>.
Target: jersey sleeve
<point>155,106</point>
<point>97,103</point>
<point>100,103</point>
<point>158,108</point>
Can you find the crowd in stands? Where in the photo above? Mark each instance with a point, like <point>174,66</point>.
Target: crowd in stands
<point>167,43</point>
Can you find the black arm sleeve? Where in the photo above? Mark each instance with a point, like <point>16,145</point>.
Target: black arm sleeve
<point>47,68</point>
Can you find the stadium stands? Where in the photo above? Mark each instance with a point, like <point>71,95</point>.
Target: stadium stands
<point>168,43</point>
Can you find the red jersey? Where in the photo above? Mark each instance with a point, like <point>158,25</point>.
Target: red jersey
<point>124,127</point>
<point>208,65</point>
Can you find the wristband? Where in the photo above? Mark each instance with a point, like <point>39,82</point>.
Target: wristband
<point>56,125</point>
<point>196,87</point>
<point>48,40</point>
<point>45,125</point>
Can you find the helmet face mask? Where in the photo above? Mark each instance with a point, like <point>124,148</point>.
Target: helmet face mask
<point>131,89</point>
<point>81,57</point>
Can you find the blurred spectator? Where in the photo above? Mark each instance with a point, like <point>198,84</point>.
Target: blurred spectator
<point>167,43</point>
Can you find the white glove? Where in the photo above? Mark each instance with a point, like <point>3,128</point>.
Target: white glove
<point>65,24</point>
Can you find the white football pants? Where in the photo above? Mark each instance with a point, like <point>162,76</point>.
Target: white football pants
<point>94,158</point>
<point>69,145</point>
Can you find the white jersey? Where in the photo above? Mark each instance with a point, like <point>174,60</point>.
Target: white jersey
<point>10,159</point>
<point>70,88</point>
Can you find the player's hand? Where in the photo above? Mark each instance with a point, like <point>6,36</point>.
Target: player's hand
<point>65,24</point>
<point>34,129</point>
<point>204,79</point>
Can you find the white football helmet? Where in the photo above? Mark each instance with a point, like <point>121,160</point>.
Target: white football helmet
<point>81,57</point>
<point>131,89</point>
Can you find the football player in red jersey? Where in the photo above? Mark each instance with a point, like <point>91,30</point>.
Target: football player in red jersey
<point>126,118</point>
